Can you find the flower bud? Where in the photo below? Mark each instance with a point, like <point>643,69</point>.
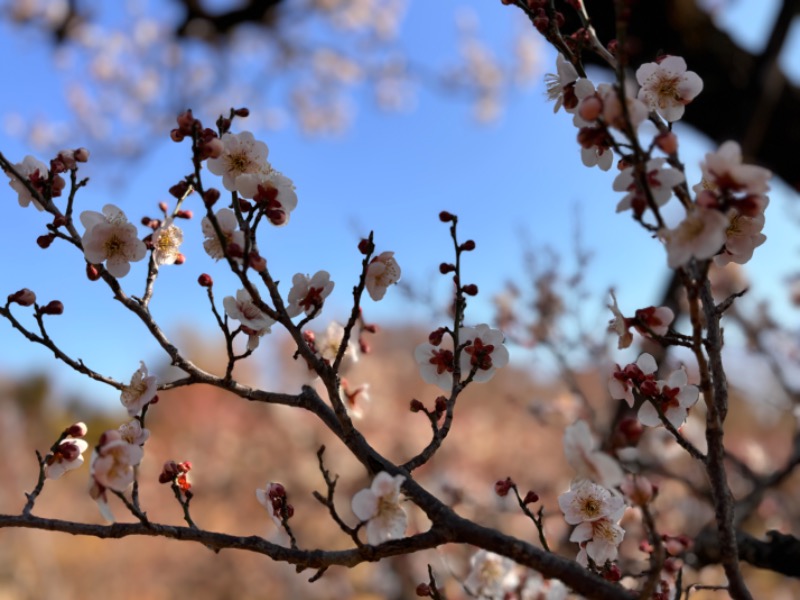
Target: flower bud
<point>184,214</point>
<point>69,450</point>
<point>468,246</point>
<point>179,190</point>
<point>91,272</point>
<point>257,262</point>
<point>163,207</point>
<point>446,268</point>
<point>205,280</point>
<point>416,405</point>
<point>503,486</point>
<point>242,112</point>
<point>667,142</point>
<point>176,135</point>
<point>82,155</point>
<point>54,307</point>
<point>446,217</point>
<point>23,297</point>
<point>180,259</point>
<point>423,590</point>
<point>365,246</point>
<point>77,430</point>
<point>470,289</point>
<point>211,196</point>
<point>530,497</point>
<point>441,405</point>
<point>44,241</point>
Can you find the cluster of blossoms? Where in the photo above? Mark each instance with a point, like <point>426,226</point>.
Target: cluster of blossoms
<point>112,468</point>
<point>646,321</point>
<point>46,182</point>
<point>672,397</point>
<point>481,353</point>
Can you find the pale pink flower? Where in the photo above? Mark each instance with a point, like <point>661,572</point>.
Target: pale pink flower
<point>613,113</point>
<point>36,172</point>
<point>379,506</point>
<point>272,191</point>
<point>167,240</point>
<point>597,156</point>
<point>602,539</point>
<point>243,309</point>
<point>110,238</point>
<point>382,272</point>
<point>355,399</point>
<point>675,399</point>
<point>700,235</point>
<point>68,456</point>
<point>271,494</point>
<point>743,237</point>
<point>588,501</point>
<point>660,181</point>
<point>582,454</point>
<point>491,576</point>
<point>623,381</point>
<point>657,319</point>
<point>723,171</point>
<point>114,460</point>
<point>241,154</point>
<point>560,86</point>
<point>667,87</point>
<point>484,352</point>
<point>228,225</point>
<point>619,324</point>
<point>140,392</point>
<point>435,365</point>
<point>328,346</point>
<point>638,490</point>
<point>133,432</point>
<point>308,293</point>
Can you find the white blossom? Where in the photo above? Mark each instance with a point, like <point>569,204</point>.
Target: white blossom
<point>241,154</point>
<point>68,456</point>
<point>140,392</point>
<point>582,454</point>
<point>700,235</point>
<point>382,272</point>
<point>660,181</point>
<point>228,226</point>
<point>35,172</point>
<point>667,87</point>
<point>484,352</point>
<point>308,293</point>
<point>435,365</point>
<point>675,399</point>
<point>110,238</point>
<point>490,576</point>
<point>587,501</point>
<point>167,240</point>
<point>379,506</point>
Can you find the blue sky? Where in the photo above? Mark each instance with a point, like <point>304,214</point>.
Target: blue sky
<point>519,177</point>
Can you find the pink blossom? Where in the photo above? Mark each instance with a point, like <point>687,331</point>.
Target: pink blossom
<point>582,454</point>
<point>484,352</point>
<point>110,238</point>
<point>67,457</point>
<point>667,87</point>
<point>379,506</point>
<point>588,501</point>
<point>140,392</point>
<point>723,171</point>
<point>113,461</point>
<point>674,399</point>
<point>700,235</point>
<point>308,293</point>
<point>36,173</point>
<point>272,191</point>
<point>490,575</point>
<point>382,272</point>
<point>228,226</point>
<point>619,324</point>
<point>241,154</point>
<point>743,237</point>
<point>659,181</point>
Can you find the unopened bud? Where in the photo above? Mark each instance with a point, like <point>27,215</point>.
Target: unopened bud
<point>184,214</point>
<point>242,112</point>
<point>81,155</point>
<point>365,246</point>
<point>470,289</point>
<point>503,486</point>
<point>23,297</point>
<point>416,405</point>
<point>468,246</point>
<point>54,307</point>
<point>163,206</point>
<point>211,196</point>
<point>446,217</point>
<point>446,268</point>
<point>179,189</point>
<point>205,280</point>
<point>77,430</point>
<point>423,590</point>
<point>180,259</point>
<point>92,273</point>
<point>667,142</point>
<point>440,405</point>
<point>44,241</point>
<point>257,262</point>
<point>176,135</point>
<point>530,497</point>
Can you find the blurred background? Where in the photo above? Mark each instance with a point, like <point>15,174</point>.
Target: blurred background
<point>383,112</point>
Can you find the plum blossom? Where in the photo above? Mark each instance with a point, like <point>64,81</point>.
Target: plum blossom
<point>243,309</point>
<point>599,540</point>
<point>635,375</point>
<point>436,365</point>
<point>355,399</point>
<point>723,171</point>
<point>112,467</point>
<point>382,272</point>
<point>379,506</point>
<point>490,576</point>
<point>308,293</point>
<point>561,86</point>
<point>582,454</point>
<point>743,236</point>
<point>241,154</point>
<point>133,432</point>
<point>68,456</point>
<point>110,238</point>
<point>166,241</point>
<point>612,110</point>
<point>619,324</point>
<point>36,173</point>
<point>228,225</point>
<point>328,346</point>
<point>537,587</point>
<point>140,392</point>
<point>700,235</point>
<point>674,399</point>
<point>667,87</point>
<point>273,498</point>
<point>272,191</point>
<point>660,182</point>
<point>484,351</point>
<point>587,501</point>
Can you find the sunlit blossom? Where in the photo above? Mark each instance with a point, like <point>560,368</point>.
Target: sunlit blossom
<point>379,506</point>
<point>110,238</point>
<point>140,392</point>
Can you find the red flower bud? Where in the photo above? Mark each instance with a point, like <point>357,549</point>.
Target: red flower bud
<point>44,241</point>
<point>54,307</point>
<point>470,289</point>
<point>77,430</point>
<point>423,590</point>
<point>530,497</point>
<point>503,486</point>
<point>242,112</point>
<point>92,273</point>
<point>446,268</point>
<point>205,280</point>
<point>211,196</point>
<point>365,246</point>
<point>23,297</point>
<point>468,246</point>
<point>416,405</point>
<point>446,217</point>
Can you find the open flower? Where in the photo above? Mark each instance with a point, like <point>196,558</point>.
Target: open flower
<point>243,309</point>
<point>582,454</point>
<point>167,240</point>
<point>68,456</point>
<point>623,381</point>
<point>272,191</point>
<point>588,501</point>
<point>379,506</point>
<point>241,154</point>
<point>490,575</point>
<point>700,235</point>
<point>667,87</point>
<point>436,365</point>
<point>599,540</point>
<point>743,236</point>
<point>723,171</point>
<point>228,226</point>
<point>113,461</point>
<point>484,351</point>
<point>133,432</point>
<point>659,181</point>
<point>561,86</point>
<point>674,399</point>
<point>36,173</point>
<point>141,391</point>
<point>382,272</point>
<point>308,293</point>
<point>110,238</point>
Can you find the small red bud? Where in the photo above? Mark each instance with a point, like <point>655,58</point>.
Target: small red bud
<point>235,250</point>
<point>77,430</point>
<point>612,573</point>
<point>184,214</point>
<point>59,221</point>
<point>92,273</point>
<point>176,135</point>
<point>416,405</point>
<point>180,259</point>
<point>503,486</point>
<point>446,217</point>
<point>54,307</point>
<point>468,246</point>
<point>163,206</point>
<point>530,497</point>
<point>242,112</point>
<point>211,196</point>
<point>365,246</point>
<point>470,289</point>
<point>205,280</point>
<point>179,189</point>
<point>441,405</point>
<point>44,241</point>
<point>446,268</point>
<point>423,590</point>
<point>289,511</point>
<point>23,297</point>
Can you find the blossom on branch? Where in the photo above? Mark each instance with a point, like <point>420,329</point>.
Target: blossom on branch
<point>133,432</point>
<point>743,236</point>
<point>379,506</point>
<point>228,226</point>
<point>583,455</point>
<point>272,191</point>
<point>241,154</point>
<point>491,576</point>
<point>723,171</point>
<point>436,365</point>
<point>110,238</point>
<point>382,272</point>
<point>112,467</point>
<point>674,398</point>
<point>140,392</point>
<point>483,352</point>
<point>328,346</point>
<point>308,293</point>
<point>599,540</point>
<point>561,86</point>
<point>166,241</point>
<point>68,456</point>
<point>36,173</point>
<point>667,87</point>
<point>588,501</point>
<point>701,235</point>
<point>659,183</point>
